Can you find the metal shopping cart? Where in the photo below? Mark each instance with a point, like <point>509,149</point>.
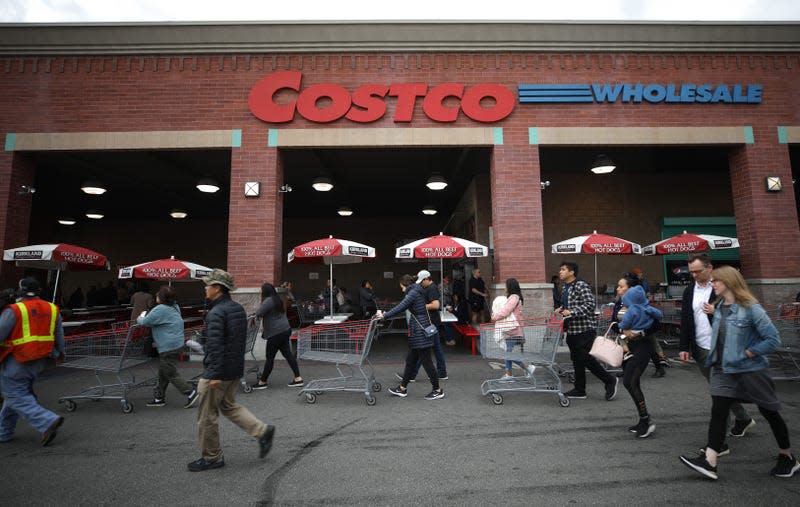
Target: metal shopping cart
<point>109,351</point>
<point>346,345</point>
<point>785,362</point>
<point>253,327</point>
<point>542,338</point>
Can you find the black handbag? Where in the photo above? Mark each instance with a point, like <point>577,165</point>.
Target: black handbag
<point>429,330</point>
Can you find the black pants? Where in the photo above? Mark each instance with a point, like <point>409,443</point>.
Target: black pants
<point>642,349</point>
<point>423,355</point>
<point>718,427</point>
<point>579,347</point>
<point>274,344</point>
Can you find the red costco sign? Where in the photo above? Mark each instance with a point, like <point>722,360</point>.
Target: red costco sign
<point>325,103</point>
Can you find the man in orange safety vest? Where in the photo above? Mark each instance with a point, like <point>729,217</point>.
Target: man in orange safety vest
<point>30,333</point>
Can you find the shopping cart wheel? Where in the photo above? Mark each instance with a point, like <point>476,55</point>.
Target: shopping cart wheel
<point>247,388</point>
<point>497,399</point>
<point>563,400</point>
<point>311,398</point>
<point>127,407</point>
<point>70,405</point>
<point>376,387</point>
<point>371,400</point>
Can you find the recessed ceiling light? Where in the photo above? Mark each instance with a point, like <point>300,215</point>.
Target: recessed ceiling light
<point>429,210</point>
<point>345,211</point>
<point>67,221</point>
<point>178,213</point>
<point>207,185</point>
<point>94,214</point>
<point>93,188</point>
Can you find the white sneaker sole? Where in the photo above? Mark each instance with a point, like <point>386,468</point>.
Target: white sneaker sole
<point>707,473</point>
<point>650,430</point>
<point>794,469</point>
<point>751,424</point>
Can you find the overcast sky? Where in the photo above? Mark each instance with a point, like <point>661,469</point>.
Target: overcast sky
<point>53,11</point>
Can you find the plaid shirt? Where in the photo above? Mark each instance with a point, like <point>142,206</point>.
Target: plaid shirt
<point>580,302</point>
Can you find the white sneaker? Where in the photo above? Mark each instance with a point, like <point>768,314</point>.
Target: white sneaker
<point>506,376</point>
<point>531,368</point>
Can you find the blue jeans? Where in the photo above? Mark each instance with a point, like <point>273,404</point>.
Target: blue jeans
<point>510,344</point>
<point>16,384</point>
<point>438,353</point>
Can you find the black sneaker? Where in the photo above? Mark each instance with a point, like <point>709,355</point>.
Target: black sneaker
<point>575,394</point>
<point>265,442</point>
<point>398,391</point>
<point>156,403</point>
<point>443,377</point>
<point>700,465</point>
<point>258,387</point>
<point>434,395</point>
<point>786,467</point>
<point>202,465</point>
<point>723,452</point>
<point>296,383</point>
<point>191,400</point>
<point>627,356</point>
<point>611,389</point>
<point>645,428</point>
<point>660,372</point>
<point>741,427</point>
<point>400,377</point>
<point>50,433</point>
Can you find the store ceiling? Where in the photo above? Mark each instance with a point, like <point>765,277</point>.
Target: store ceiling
<point>148,184</point>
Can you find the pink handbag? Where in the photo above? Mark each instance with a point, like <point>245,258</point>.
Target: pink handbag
<point>607,349</point>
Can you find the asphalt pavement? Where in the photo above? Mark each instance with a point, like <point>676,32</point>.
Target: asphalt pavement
<point>460,450</point>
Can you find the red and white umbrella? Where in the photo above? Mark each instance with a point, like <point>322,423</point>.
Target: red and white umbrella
<point>168,270</point>
<point>596,244</point>
<point>331,251</point>
<point>441,247</point>
<point>688,242</point>
<point>58,256</point>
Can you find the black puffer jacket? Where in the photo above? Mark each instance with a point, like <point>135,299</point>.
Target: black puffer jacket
<point>414,301</point>
<point>226,337</point>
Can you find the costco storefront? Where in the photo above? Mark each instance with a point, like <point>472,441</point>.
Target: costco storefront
<point>701,120</point>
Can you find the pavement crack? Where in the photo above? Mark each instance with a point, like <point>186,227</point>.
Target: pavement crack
<point>271,483</point>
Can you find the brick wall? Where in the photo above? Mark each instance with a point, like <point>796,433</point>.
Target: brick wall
<point>134,93</point>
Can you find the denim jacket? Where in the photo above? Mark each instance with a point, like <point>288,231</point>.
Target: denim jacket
<point>746,329</point>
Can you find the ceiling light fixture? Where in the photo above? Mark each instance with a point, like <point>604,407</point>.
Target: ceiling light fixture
<point>345,211</point>
<point>603,165</point>
<point>429,210</point>
<point>436,182</point>
<point>66,221</point>
<point>207,185</point>
<point>322,184</point>
<point>178,213</point>
<point>93,188</point>
<point>94,214</point>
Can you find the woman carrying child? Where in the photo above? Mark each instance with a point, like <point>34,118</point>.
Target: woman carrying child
<point>635,318</point>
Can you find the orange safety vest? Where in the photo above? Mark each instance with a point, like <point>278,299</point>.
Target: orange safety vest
<point>33,336</point>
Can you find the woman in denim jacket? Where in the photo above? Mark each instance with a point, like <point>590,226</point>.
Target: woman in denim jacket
<point>742,335</point>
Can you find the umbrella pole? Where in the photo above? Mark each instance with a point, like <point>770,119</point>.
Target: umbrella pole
<point>55,289</point>
<point>330,277</point>
<point>595,281</point>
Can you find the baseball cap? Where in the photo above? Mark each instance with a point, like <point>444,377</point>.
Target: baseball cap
<point>219,277</point>
<point>423,275</point>
<point>29,285</point>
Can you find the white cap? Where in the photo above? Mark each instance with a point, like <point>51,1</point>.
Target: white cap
<point>423,275</point>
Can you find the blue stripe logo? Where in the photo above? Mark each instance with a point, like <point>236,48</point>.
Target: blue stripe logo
<point>686,93</point>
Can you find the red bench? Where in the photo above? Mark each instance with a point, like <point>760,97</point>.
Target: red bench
<point>467,331</point>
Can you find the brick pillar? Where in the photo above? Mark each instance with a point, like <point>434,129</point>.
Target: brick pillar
<point>255,224</point>
<point>766,222</point>
<point>15,209</point>
<point>517,223</point>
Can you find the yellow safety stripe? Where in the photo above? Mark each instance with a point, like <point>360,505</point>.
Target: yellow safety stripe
<point>26,327</point>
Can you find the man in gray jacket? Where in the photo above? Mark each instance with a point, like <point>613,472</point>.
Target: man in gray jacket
<point>226,336</point>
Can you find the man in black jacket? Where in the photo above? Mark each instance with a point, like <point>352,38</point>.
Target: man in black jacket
<point>697,314</point>
<point>226,336</point>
